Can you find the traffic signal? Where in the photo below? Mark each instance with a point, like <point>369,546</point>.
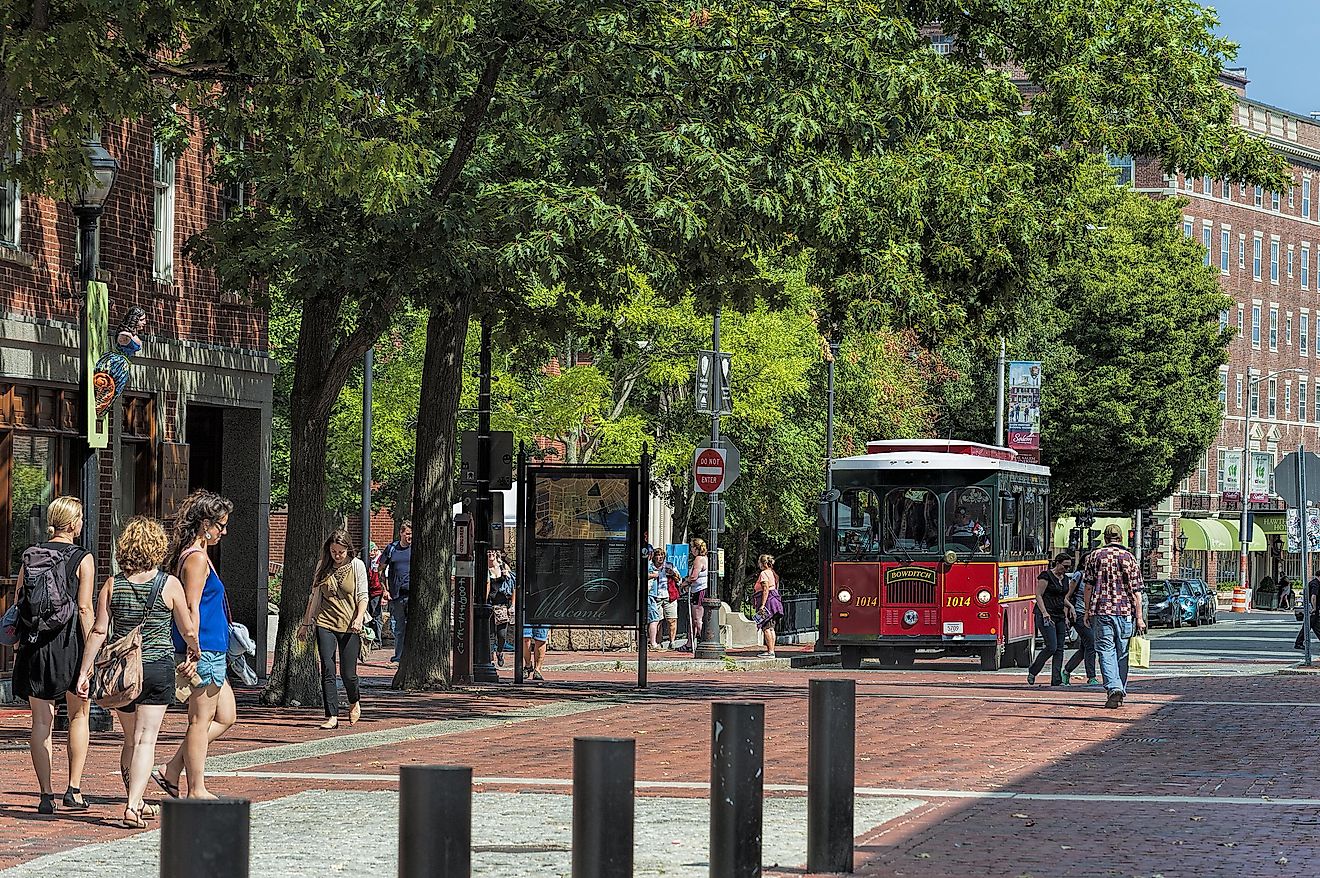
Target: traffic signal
<point>1093,539</point>
<point>1132,538</point>
<point>1074,539</point>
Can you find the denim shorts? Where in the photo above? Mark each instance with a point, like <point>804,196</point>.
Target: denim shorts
<point>541,634</point>
<point>213,668</point>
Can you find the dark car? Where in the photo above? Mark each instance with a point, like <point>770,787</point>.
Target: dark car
<point>1172,603</point>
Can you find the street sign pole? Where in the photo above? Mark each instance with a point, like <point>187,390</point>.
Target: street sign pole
<point>483,669</point>
<point>1302,530</point>
<point>710,646</point>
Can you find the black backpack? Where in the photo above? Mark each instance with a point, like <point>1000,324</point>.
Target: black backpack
<point>47,602</point>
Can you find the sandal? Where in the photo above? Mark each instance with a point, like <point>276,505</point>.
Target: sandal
<point>133,819</point>
<point>74,800</point>
<point>330,723</point>
<point>47,804</point>
<point>355,713</point>
<point>158,775</point>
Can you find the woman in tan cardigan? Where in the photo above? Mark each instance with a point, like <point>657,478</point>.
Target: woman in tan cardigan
<point>336,609</point>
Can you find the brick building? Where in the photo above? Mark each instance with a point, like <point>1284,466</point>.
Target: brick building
<point>197,409</point>
<point>1266,247</point>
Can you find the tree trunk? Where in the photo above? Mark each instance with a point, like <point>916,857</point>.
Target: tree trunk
<point>738,571</point>
<point>428,646</point>
<point>322,364</point>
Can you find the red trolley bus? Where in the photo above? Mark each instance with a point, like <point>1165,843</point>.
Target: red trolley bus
<point>932,548</point>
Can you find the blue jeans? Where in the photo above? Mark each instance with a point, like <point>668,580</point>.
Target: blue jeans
<point>1112,634</point>
<point>399,623</point>
<point>1085,649</point>
<point>1056,643</point>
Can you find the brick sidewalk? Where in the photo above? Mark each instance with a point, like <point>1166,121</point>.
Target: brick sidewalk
<point>1195,767</point>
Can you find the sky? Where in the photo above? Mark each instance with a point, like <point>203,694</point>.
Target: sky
<point>1276,40</point>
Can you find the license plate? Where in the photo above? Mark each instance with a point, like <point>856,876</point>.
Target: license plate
<point>953,628</point>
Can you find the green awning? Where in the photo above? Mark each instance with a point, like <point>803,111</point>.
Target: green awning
<point>1206,535</point>
<point>1271,522</point>
<point>1066,524</point>
<point>1257,542</point>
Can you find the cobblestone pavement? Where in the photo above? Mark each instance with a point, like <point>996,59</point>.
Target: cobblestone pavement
<point>1197,775</point>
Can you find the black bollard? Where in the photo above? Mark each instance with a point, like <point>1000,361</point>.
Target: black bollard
<point>831,742</point>
<point>603,770</point>
<point>435,821</point>
<point>737,755</point>
<point>202,838</point>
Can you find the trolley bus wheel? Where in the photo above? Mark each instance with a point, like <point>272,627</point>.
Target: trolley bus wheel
<point>992,657</point>
<point>850,657</point>
<point>1021,653</point>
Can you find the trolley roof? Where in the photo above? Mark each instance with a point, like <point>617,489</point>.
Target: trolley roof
<point>938,454</point>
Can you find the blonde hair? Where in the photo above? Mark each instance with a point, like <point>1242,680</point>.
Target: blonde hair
<point>767,561</point>
<point>142,545</point>
<point>62,515</point>
<point>699,546</point>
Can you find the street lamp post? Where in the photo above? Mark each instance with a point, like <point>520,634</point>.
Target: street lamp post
<point>710,646</point>
<point>1182,552</point>
<point>88,201</point>
<point>1241,594</point>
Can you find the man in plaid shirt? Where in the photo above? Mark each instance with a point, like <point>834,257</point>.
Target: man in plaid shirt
<point>1113,610</point>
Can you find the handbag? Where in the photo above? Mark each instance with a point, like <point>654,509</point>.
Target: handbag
<point>500,613</point>
<point>1139,652</point>
<point>117,672</point>
<point>9,627</point>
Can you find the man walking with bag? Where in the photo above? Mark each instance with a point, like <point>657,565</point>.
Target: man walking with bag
<point>1113,610</point>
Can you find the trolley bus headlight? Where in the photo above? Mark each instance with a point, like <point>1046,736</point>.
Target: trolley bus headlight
<point>845,596</point>
<point>983,596</point>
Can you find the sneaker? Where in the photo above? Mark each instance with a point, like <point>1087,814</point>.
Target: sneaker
<point>1031,679</point>
<point>1094,681</point>
<point>766,655</point>
<point>499,659</point>
<point>1065,680</point>
<point>1115,699</point>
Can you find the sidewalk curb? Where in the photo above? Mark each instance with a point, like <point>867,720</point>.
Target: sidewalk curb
<point>688,665</point>
<point>1299,670</point>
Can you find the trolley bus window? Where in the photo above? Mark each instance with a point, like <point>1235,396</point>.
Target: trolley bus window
<point>858,523</point>
<point>912,520</point>
<point>967,514</point>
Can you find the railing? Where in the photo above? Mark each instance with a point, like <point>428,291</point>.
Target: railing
<point>1234,504</point>
<point>799,614</point>
<point>1197,502</point>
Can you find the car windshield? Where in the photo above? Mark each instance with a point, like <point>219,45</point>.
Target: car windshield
<point>1157,590</point>
<point>912,520</point>
<point>966,520</point>
<point>857,531</point>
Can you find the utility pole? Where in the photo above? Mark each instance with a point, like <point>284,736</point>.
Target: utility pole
<point>483,669</point>
<point>999,393</point>
<point>710,645</point>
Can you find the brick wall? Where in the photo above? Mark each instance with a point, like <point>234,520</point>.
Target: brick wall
<point>37,279</point>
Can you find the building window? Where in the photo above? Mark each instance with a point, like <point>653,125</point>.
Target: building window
<point>1221,470</point>
<point>1238,395</point>
<point>1124,169</point>
<point>1292,192</point>
<point>1272,402</point>
<point>1316,407</point>
<point>1304,333</point>
<point>1290,260</point>
<point>942,45</point>
<point>1306,266</point>
<point>1207,185</point>
<point>1223,390</point>
<point>1274,262</point>
<point>1253,399</point>
<point>1225,190</point>
<point>1188,184</point>
<point>1242,252</point>
<point>1287,331</point>
<point>1258,196</point>
<point>1274,202</point>
<point>1255,326</point>
<point>1274,328</point>
<point>163,220</point>
<point>1224,244</point>
<point>1187,227</point>
<point>1207,238</point>
<point>1256,245</point>
<point>1287,397</point>
<point>1301,400</point>
<point>11,204</point>
<point>1306,197</point>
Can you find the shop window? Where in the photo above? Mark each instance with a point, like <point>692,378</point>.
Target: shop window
<point>39,469</point>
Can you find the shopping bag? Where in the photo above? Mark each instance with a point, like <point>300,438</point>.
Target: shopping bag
<point>1139,652</point>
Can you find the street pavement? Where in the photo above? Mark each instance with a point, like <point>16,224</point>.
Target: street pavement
<point>958,772</point>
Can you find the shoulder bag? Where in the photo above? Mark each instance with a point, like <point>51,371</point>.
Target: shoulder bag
<point>117,673</point>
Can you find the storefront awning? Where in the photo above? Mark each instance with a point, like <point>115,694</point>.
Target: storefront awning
<point>1206,535</point>
<point>1255,544</point>
<point>1270,522</point>
<point>1066,524</point>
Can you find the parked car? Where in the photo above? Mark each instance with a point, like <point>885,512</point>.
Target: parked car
<point>1172,603</point>
<point>1207,600</point>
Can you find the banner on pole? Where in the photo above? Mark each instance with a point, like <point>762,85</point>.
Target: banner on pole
<point>1258,485</point>
<point>1024,406</point>
<point>1312,530</point>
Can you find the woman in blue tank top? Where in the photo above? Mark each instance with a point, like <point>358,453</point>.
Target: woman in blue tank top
<point>201,523</point>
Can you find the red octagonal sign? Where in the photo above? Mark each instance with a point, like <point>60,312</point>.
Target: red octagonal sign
<point>709,469</point>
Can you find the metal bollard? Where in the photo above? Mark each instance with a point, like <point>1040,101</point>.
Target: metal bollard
<point>603,770</point>
<point>831,745</point>
<point>435,821</point>
<point>204,838</point>
<point>737,756</point>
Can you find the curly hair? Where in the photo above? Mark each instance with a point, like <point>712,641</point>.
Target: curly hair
<point>142,545</point>
<point>325,564</point>
<point>200,508</point>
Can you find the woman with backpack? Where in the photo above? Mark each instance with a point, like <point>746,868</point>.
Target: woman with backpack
<point>502,585</point>
<point>336,611</point>
<point>769,607</point>
<point>200,523</point>
<point>55,615</point>
<point>142,596</point>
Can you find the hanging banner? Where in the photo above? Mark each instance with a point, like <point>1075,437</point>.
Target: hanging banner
<point>96,340</point>
<point>1312,530</point>
<point>1024,408</point>
<point>1258,482</point>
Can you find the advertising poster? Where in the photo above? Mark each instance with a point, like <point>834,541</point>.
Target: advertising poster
<point>1258,485</point>
<point>583,561</point>
<point>1023,419</point>
<point>1312,530</point>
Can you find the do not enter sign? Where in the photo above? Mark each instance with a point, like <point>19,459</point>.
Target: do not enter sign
<point>709,467</point>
